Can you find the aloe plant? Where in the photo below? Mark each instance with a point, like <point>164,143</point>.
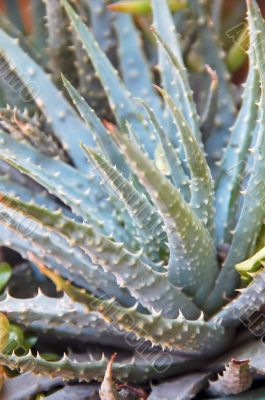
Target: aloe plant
<point>143,253</point>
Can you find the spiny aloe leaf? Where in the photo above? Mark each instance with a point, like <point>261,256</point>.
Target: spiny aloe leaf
<point>236,378</point>
<point>5,275</point>
<point>30,235</point>
<point>191,248</point>
<point>103,334</point>
<point>244,309</point>
<point>253,210</point>
<point>213,56</point>
<point>102,24</point>
<point>184,97</point>
<point>136,371</point>
<point>54,311</point>
<point>157,293</point>
<point>18,189</point>
<point>234,163</point>
<point>22,127</point>
<point>71,258</point>
<point>191,337</point>
<point>144,6</point>
<point>202,187</point>
<point>134,65</point>
<point>119,98</point>
<point>170,71</point>
<point>100,134</point>
<point>18,242</point>
<point>66,125</point>
<point>145,215</point>
<point>179,178</point>
<point>86,81</point>
<point>79,192</point>
<point>144,219</point>
<point>89,85</point>
<point>162,21</point>
<point>61,317</point>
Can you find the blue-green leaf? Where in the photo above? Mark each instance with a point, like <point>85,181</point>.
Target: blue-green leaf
<point>99,132</point>
<point>82,193</point>
<point>65,123</point>
<point>120,99</point>
<point>253,209</point>
<point>192,264</point>
<point>179,89</point>
<point>179,178</point>
<point>134,65</point>
<point>213,55</point>
<point>234,163</point>
<point>63,239</point>
<point>202,187</point>
<point>145,215</point>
